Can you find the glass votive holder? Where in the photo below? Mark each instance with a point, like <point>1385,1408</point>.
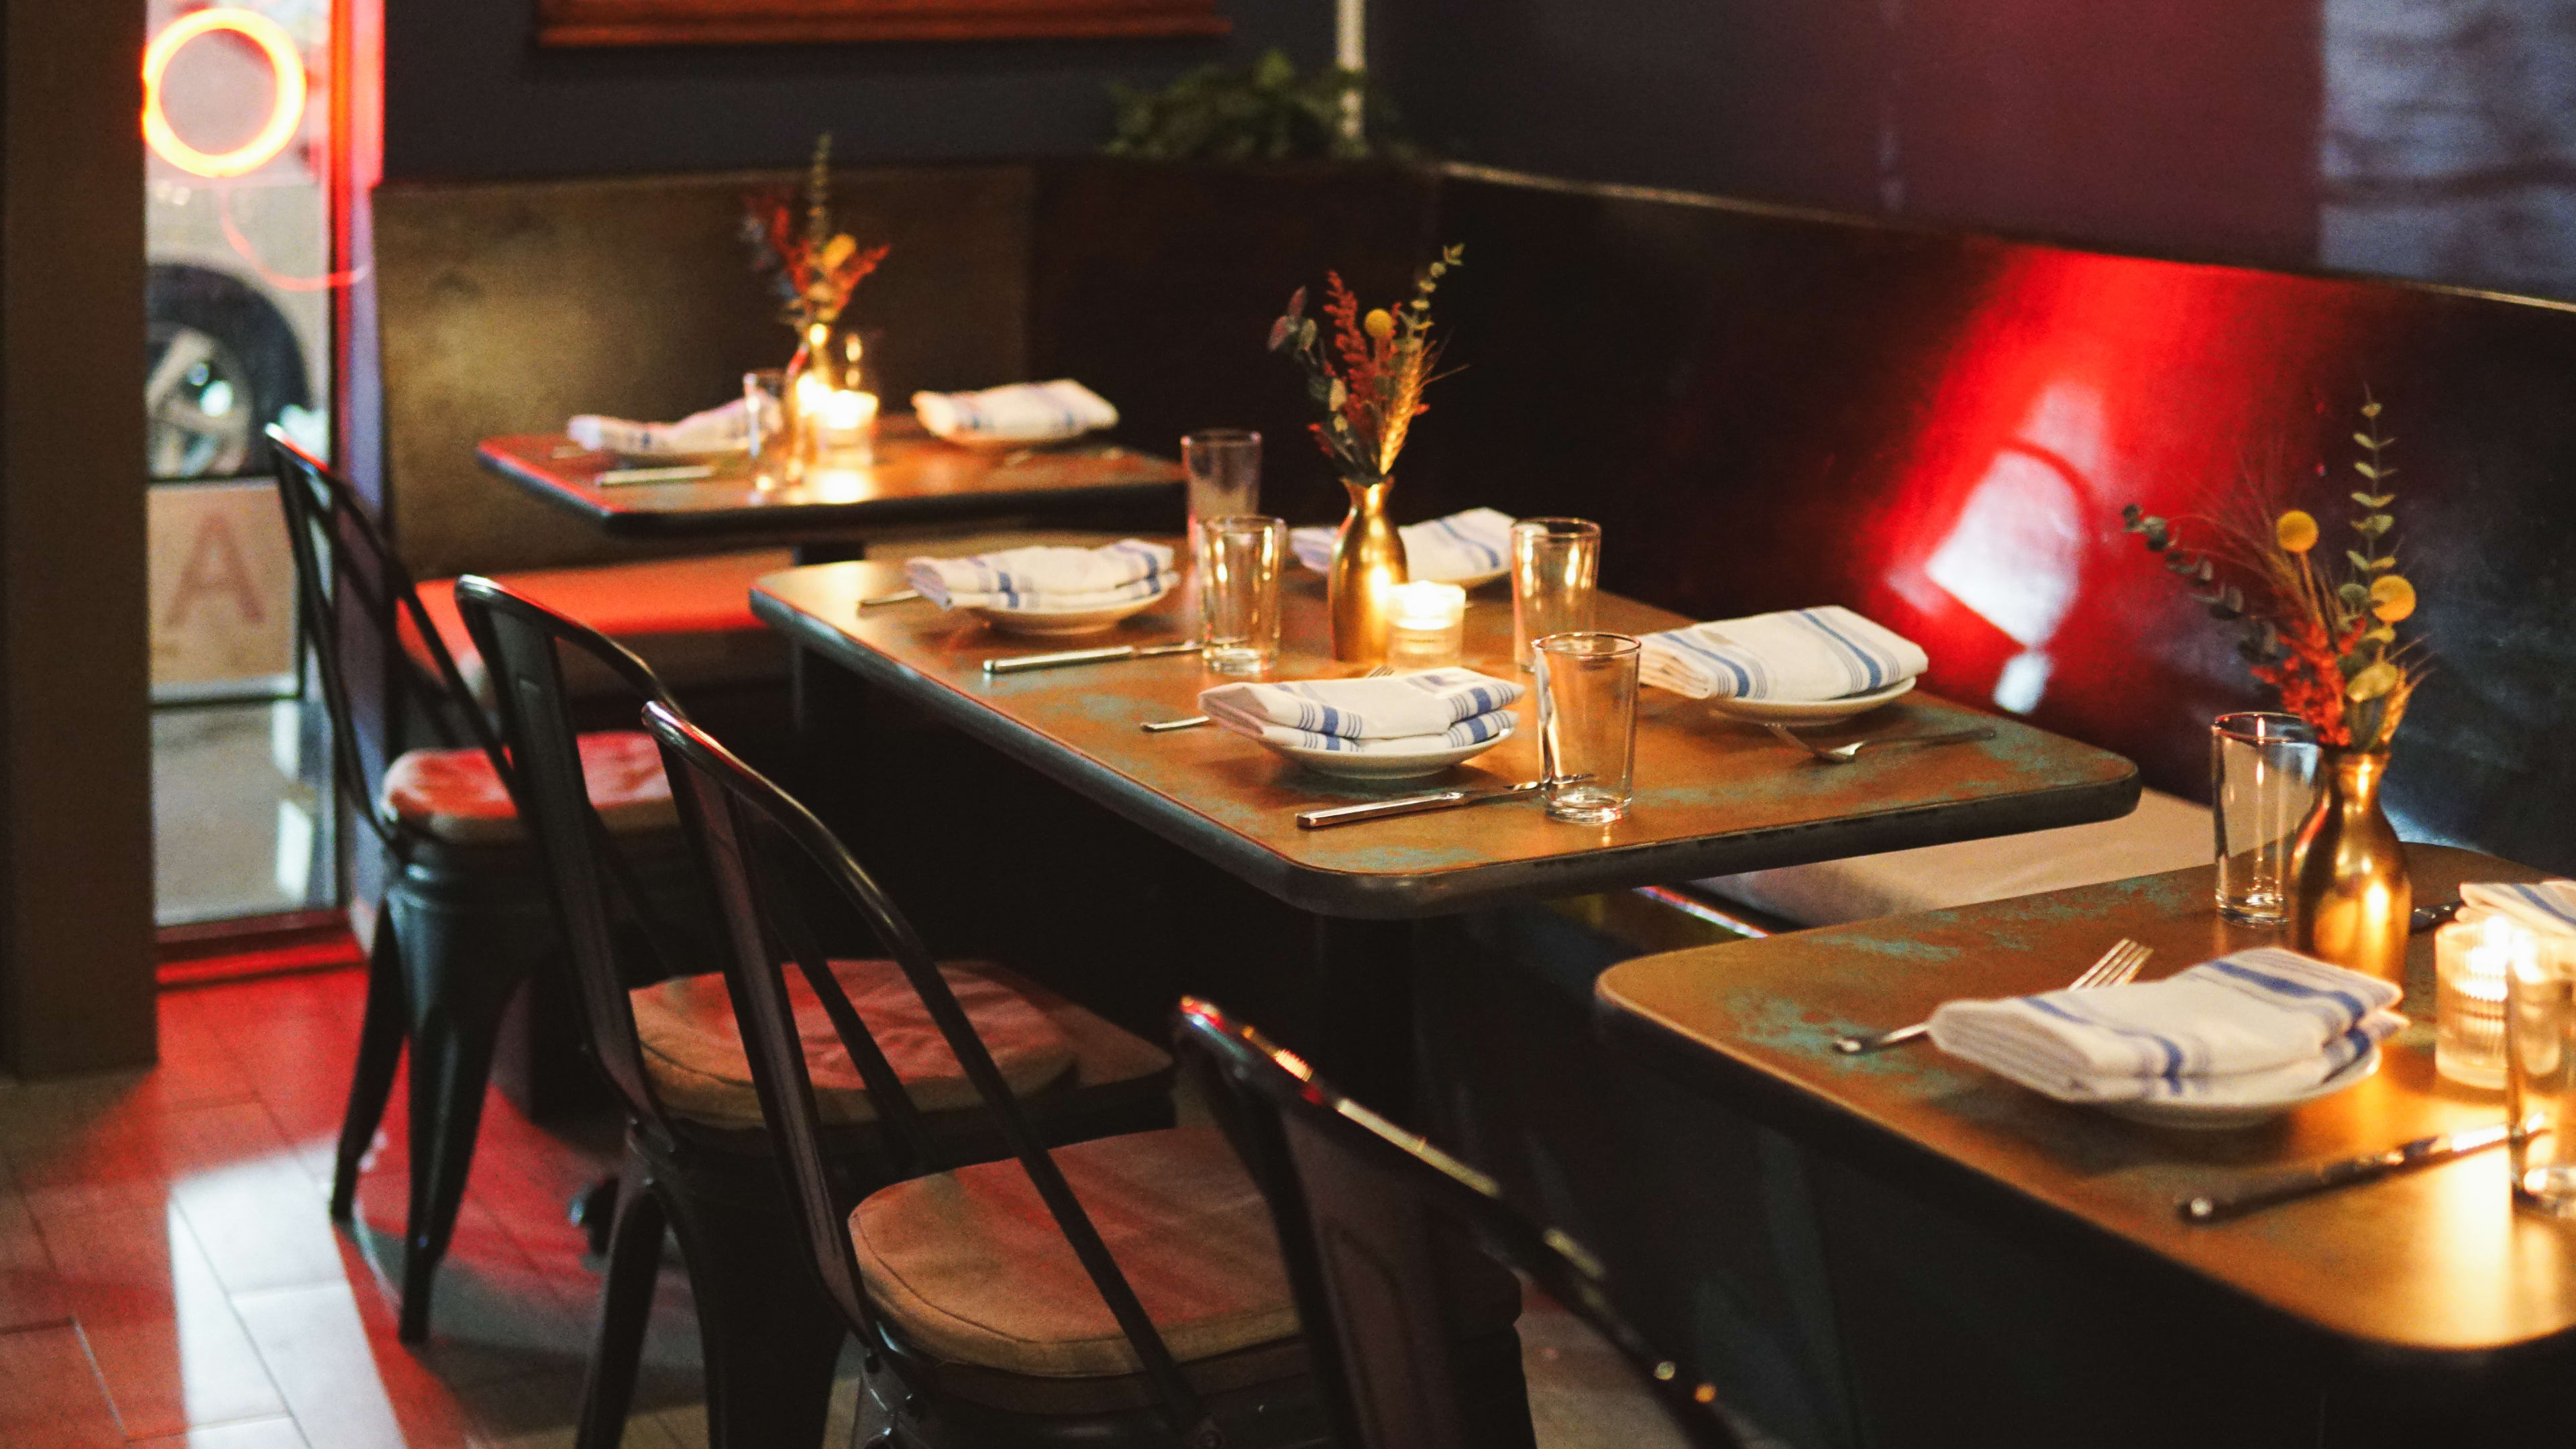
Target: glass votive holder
<point>1429,626</point>
<point>2540,1075</point>
<point>840,423</point>
<point>2473,959</point>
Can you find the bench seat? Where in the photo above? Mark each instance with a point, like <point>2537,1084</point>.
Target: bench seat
<point>689,618</point>
<point>2164,833</point>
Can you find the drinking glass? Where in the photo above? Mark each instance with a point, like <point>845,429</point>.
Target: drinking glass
<point>2263,781</point>
<point>764,406</point>
<point>2540,1075</point>
<point>1239,557</point>
<point>1587,724</point>
<point>1224,465</point>
<point>1555,564</point>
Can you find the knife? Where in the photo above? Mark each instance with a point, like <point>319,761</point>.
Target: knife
<point>2368,1167</point>
<point>1023,662</point>
<point>1416,804</point>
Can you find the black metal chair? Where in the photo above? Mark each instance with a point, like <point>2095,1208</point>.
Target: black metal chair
<point>1121,1291</point>
<point>1363,1210</point>
<point>463,920</point>
<point>697,1156</point>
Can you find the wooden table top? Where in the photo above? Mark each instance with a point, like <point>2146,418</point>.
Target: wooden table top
<point>916,479</point>
<point>1713,796</point>
<point>2436,1261</point>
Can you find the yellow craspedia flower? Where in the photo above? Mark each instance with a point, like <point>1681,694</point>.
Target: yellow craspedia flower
<point>2391,597</point>
<point>1378,324</point>
<point>2296,532</point>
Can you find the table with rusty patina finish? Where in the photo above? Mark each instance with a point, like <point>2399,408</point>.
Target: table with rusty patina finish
<point>916,479</point>
<point>2422,1295</point>
<point>1712,796</point>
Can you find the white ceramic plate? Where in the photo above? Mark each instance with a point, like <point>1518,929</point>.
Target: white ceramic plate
<point>2212,1116</point>
<point>990,443</point>
<point>1063,623</point>
<point>1356,766</point>
<point>1808,711</point>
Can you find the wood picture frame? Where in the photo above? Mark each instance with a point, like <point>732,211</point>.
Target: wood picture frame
<point>770,22</point>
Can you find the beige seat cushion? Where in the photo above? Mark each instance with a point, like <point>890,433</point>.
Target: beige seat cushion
<point>2164,833</point>
<point>970,1266</point>
<point>693,1046</point>
<point>455,796</point>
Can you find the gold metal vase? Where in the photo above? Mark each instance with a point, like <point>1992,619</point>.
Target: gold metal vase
<point>1368,562</point>
<point>2349,896</point>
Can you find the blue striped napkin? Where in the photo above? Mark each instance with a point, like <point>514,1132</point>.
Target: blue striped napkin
<point>1024,412</point>
<point>1045,577</point>
<point>1471,545</point>
<point>2253,1027</point>
<point>1800,654</point>
<point>2548,909</point>
<point>1429,711</point>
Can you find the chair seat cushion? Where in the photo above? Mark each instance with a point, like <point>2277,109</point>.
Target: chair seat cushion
<point>971,1267</point>
<point>689,618</point>
<point>2164,833</point>
<point>456,797</point>
<point>693,1046</point>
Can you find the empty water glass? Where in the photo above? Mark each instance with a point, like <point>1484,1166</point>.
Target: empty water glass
<point>1587,724</point>
<point>1239,559</point>
<point>1224,468</point>
<point>2540,1073</point>
<point>2263,782</point>
<point>1556,564</point>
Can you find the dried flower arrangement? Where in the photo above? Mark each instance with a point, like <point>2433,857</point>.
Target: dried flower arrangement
<point>1387,357</point>
<point>813,268</point>
<point>2324,635</point>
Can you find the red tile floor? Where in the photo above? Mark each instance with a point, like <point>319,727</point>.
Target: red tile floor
<point>169,1275</point>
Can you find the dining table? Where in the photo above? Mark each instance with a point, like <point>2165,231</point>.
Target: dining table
<point>912,479</point>
<point>1713,795</point>
<point>2414,1304</point>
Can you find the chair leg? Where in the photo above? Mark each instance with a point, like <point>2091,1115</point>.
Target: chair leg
<point>769,1335</point>
<point>625,1304</point>
<point>380,1044</point>
<point>451,1061</point>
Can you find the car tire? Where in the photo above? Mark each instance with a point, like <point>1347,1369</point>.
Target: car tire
<point>220,364</point>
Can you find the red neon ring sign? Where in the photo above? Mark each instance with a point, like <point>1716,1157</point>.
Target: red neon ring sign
<point>284,113</point>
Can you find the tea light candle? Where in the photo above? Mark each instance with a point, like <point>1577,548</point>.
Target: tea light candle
<point>1428,627</point>
<point>836,419</point>
<point>2471,957</point>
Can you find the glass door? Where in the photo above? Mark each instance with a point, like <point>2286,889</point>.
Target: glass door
<point>238,234</point>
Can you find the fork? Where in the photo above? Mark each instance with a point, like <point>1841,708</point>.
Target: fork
<point>1844,754</point>
<point>2118,967</point>
<point>1162,726</point>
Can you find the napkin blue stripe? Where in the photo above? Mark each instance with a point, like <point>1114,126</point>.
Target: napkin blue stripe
<point>1740,669</point>
<point>2540,900</point>
<point>2173,1053</point>
<point>1879,667</point>
<point>1492,558</point>
<point>2235,966</point>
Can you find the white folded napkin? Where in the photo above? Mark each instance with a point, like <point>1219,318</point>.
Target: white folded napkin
<point>1434,709</point>
<point>1044,577</point>
<point>1799,654</point>
<point>2548,909</point>
<point>1470,545</point>
<point>2252,1027</point>
<point>717,430</point>
<point>1024,412</point>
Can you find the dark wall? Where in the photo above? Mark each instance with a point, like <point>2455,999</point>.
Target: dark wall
<point>468,94</point>
<point>2185,127</point>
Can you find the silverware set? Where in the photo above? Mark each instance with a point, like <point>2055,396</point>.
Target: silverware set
<point>2118,967</point>
<point>1330,816</point>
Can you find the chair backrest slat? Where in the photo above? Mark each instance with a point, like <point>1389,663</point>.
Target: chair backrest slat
<point>749,834</point>
<point>357,601</point>
<point>1357,1202</point>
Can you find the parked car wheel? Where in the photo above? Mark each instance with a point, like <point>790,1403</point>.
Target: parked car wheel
<point>220,363</point>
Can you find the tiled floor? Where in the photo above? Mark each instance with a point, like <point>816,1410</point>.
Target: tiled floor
<point>169,1276</point>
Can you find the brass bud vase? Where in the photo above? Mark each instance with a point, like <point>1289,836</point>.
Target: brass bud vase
<point>1368,562</point>
<point>2349,896</point>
